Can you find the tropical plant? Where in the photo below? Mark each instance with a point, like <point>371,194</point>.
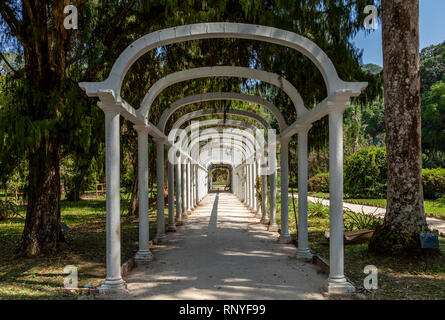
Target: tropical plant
<point>318,210</point>
<point>360,221</point>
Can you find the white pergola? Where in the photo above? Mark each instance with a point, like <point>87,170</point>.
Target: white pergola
<point>189,170</point>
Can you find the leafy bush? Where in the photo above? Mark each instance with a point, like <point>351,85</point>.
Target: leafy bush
<point>433,182</point>
<point>319,183</point>
<point>365,173</point>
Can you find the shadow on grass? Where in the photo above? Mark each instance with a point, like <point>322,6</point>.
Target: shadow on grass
<point>42,278</point>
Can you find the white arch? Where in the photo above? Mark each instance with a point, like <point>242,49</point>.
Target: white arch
<point>218,30</point>
<point>221,96</point>
<point>221,71</point>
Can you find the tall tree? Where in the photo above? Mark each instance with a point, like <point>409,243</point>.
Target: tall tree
<point>44,107</point>
<point>405,216</point>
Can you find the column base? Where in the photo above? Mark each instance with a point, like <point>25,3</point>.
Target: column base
<point>339,286</point>
<point>304,254</point>
<point>285,239</point>
<point>171,228</point>
<point>160,239</point>
<point>179,223</point>
<point>143,257</point>
<point>273,228</point>
<point>264,221</point>
<point>113,287</point>
<point>185,217</point>
<point>189,212</point>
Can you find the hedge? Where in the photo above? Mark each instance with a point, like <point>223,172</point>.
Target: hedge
<point>319,183</point>
<point>365,173</point>
<point>433,182</point>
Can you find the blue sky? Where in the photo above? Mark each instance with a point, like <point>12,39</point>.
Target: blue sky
<point>432,31</point>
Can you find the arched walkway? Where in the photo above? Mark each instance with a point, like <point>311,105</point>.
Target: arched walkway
<point>223,252</point>
<point>191,173</point>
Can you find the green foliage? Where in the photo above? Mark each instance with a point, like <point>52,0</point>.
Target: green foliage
<point>433,118</point>
<point>318,210</point>
<point>319,183</point>
<point>433,159</point>
<point>372,68</point>
<point>259,190</point>
<point>433,182</point>
<point>360,221</point>
<point>366,173</point>
<point>432,65</point>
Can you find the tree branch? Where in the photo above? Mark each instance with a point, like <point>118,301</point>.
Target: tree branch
<point>7,62</point>
<point>8,14</point>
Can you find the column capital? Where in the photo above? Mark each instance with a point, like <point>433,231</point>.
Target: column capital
<point>303,128</point>
<point>109,108</point>
<point>158,140</point>
<point>141,128</point>
<point>338,107</point>
<point>284,139</point>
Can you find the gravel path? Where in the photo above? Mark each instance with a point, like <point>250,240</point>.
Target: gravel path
<point>435,224</point>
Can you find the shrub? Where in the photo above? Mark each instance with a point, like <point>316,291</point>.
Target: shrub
<point>365,173</point>
<point>433,182</point>
<point>319,183</point>
<point>360,221</point>
<point>318,210</point>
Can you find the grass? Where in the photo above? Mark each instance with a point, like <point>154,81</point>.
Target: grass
<point>42,278</point>
<point>433,208</point>
<point>398,278</point>
<point>220,183</point>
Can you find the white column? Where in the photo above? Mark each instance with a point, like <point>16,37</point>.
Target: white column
<point>284,234</point>
<point>194,202</point>
<point>254,177</point>
<point>303,251</point>
<point>113,282</point>
<point>246,187</point>
<point>178,192</point>
<point>250,168</point>
<point>273,226</point>
<point>184,188</point>
<point>337,282</point>
<point>189,189</point>
<point>264,219</point>
<point>198,187</point>
<point>143,255</point>
<point>171,198</point>
<point>160,226</point>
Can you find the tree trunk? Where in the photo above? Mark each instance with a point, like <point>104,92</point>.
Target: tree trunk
<point>405,216</point>
<point>73,194</point>
<point>134,202</point>
<point>41,233</point>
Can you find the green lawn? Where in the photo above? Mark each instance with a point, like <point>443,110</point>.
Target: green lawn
<point>399,278</point>
<point>42,278</point>
<point>434,208</point>
<point>220,183</point>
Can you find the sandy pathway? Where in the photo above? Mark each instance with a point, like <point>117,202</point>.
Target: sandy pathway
<point>223,252</point>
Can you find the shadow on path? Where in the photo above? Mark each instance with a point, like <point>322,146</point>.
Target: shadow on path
<point>223,252</point>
